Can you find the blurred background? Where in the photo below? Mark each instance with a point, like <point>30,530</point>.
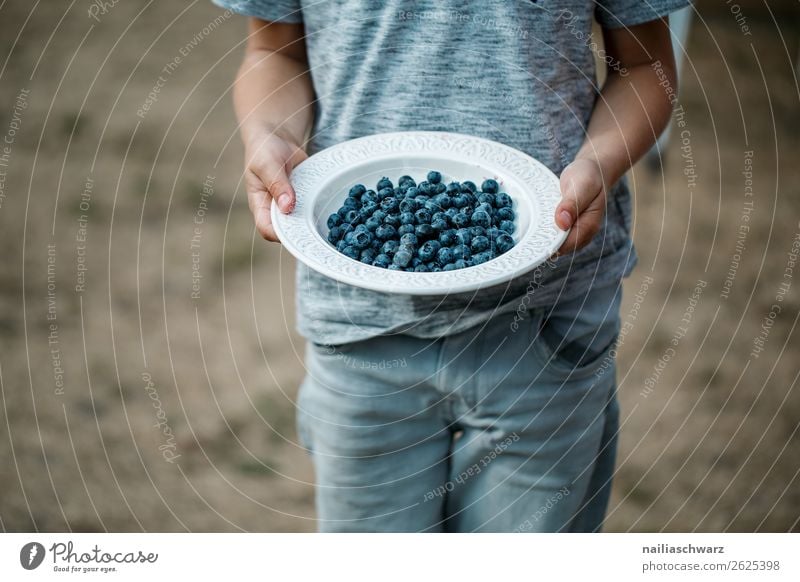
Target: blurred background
<point>148,358</point>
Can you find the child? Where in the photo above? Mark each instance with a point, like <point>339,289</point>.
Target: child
<point>486,411</point>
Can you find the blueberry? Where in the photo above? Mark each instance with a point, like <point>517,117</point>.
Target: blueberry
<point>486,198</point>
<point>504,213</point>
<point>334,234</point>
<point>362,240</point>
<point>370,196</point>
<point>357,190</point>
<point>487,208</point>
<point>390,247</point>
<point>423,216</point>
<point>372,223</point>
<point>390,204</point>
<point>340,245</point>
<point>369,206</point>
<point>352,216</point>
<point>482,257</point>
<point>448,238</point>
<point>384,183</point>
<point>440,188</point>
<point>361,228</point>
<point>415,262</point>
<point>345,228</point>
<point>351,251</point>
<point>412,192</point>
<point>481,218</point>
<point>449,267</point>
<point>385,193</point>
<point>379,215</point>
<point>477,231</point>
<point>444,202</point>
<point>507,226</point>
<point>407,181</point>
<point>408,205</point>
<point>461,252</point>
<point>428,250</point>
<point>461,264</point>
<point>503,200</point>
<point>349,237</point>
<point>504,243</point>
<point>385,231</point>
<point>381,261</point>
<point>409,239</point>
<point>434,177</point>
<point>444,256</point>
<point>421,268</point>
<point>424,188</point>
<point>367,256</point>
<point>479,244</point>
<point>451,212</point>
<point>406,229</point>
<point>490,186</point>
<point>392,219</point>
<point>453,187</point>
<point>460,201</point>
<point>463,236</point>
<point>407,218</point>
<point>461,220</point>
<point>493,233</point>
<point>351,204</point>
<point>424,231</point>
<point>439,224</point>
<point>393,267</point>
<point>432,206</point>
<point>402,258</point>
<point>468,186</point>
<point>334,220</point>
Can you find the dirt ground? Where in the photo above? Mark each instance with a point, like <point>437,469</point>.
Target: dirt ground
<point>132,405</point>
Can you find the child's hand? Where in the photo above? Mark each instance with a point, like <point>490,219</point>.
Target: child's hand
<point>583,203</point>
<point>269,160</point>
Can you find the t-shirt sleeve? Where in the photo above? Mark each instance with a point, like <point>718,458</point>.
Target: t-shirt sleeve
<point>273,10</point>
<point>620,13</point>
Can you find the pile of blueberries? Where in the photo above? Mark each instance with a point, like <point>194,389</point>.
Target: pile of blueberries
<point>425,227</point>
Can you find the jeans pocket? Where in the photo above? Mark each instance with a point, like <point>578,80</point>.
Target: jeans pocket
<point>575,339</point>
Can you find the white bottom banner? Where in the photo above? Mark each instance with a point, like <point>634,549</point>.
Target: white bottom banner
<point>400,557</point>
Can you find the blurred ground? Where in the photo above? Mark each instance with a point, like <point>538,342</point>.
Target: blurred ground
<point>110,369</point>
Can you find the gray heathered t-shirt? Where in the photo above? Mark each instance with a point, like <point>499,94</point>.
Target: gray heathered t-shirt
<point>519,72</point>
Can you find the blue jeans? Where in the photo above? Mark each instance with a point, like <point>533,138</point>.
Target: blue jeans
<point>509,426</point>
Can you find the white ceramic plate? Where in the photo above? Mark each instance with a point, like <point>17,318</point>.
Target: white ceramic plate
<point>323,181</point>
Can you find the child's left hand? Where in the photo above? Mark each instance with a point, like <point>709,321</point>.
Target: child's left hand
<point>583,203</point>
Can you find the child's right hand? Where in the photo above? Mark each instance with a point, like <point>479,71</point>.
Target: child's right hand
<point>269,160</point>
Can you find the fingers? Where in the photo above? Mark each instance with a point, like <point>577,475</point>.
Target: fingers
<point>581,183</point>
<point>260,203</point>
<point>586,226</point>
<point>267,182</point>
<point>272,162</point>
<point>275,179</point>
